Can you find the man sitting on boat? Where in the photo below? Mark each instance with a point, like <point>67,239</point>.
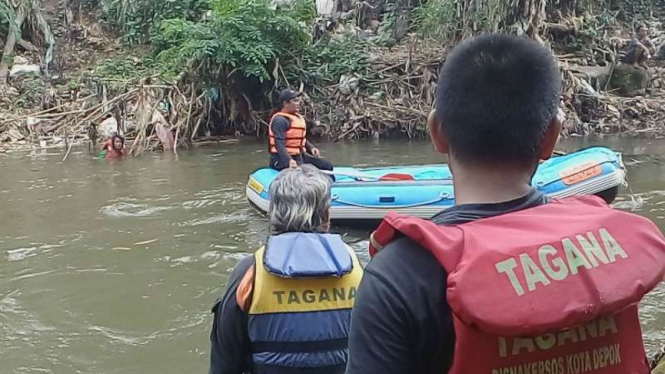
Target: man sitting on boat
<point>287,308</point>
<point>289,146</point>
<point>507,280</point>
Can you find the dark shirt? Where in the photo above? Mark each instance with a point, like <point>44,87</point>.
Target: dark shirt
<point>631,52</point>
<point>229,340</point>
<point>401,322</point>
<point>279,127</point>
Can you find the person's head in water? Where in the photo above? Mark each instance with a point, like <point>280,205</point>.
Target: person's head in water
<point>300,201</point>
<point>118,142</point>
<point>496,106</point>
<point>289,102</point>
<point>642,32</point>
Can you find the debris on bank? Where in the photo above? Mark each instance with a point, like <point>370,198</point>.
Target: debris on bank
<point>390,96</point>
<point>604,96</point>
<point>392,99</point>
<point>153,115</point>
<point>601,95</point>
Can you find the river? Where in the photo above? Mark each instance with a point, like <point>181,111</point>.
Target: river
<point>112,267</point>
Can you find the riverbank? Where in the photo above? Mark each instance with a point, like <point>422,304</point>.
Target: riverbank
<point>358,81</point>
<point>391,101</point>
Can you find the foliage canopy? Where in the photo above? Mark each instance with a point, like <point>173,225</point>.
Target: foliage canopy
<point>248,36</point>
<point>136,19</point>
<point>215,39</point>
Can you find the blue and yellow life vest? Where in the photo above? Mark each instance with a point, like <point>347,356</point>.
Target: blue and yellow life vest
<point>304,288</point>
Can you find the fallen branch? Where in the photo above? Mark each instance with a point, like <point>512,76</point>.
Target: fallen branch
<point>27,45</point>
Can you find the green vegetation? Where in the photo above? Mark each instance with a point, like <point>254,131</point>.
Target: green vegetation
<point>437,18</point>
<point>325,62</point>
<point>6,15</point>
<point>31,92</point>
<point>224,59</point>
<point>454,19</point>
<point>233,52</point>
<point>260,40</point>
<point>20,16</point>
<point>213,39</point>
<point>136,19</point>
<point>123,71</point>
<point>445,20</point>
<point>247,36</point>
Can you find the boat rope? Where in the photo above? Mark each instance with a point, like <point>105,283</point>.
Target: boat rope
<point>442,196</point>
<point>636,201</point>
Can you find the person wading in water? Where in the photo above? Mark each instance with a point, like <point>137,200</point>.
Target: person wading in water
<point>507,281</point>
<point>287,309</point>
<point>288,145</point>
<point>114,147</point>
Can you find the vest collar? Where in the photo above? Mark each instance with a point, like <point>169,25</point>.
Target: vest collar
<point>307,255</point>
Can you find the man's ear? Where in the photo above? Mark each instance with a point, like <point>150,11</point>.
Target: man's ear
<point>436,133</point>
<point>325,225</point>
<point>549,141</point>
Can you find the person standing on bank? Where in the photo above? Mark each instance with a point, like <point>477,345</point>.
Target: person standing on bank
<point>288,145</point>
<point>287,308</point>
<point>507,280</point>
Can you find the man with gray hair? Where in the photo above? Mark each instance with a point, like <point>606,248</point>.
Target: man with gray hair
<point>287,308</point>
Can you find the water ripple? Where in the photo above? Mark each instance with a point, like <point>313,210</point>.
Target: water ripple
<point>124,209</point>
<point>196,204</point>
<point>122,338</point>
<point>21,253</point>
<point>222,218</point>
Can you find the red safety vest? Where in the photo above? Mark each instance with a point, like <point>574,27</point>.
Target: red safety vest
<point>548,290</point>
<point>295,135</point>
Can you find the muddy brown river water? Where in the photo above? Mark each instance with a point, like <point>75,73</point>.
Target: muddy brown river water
<point>112,267</point>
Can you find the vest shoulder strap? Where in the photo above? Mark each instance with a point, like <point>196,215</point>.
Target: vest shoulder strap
<point>289,116</point>
<point>422,231</point>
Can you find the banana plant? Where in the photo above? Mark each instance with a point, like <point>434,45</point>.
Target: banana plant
<point>16,12</point>
<point>6,12</point>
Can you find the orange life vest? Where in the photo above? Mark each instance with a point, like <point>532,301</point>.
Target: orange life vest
<point>295,134</point>
<point>548,290</point>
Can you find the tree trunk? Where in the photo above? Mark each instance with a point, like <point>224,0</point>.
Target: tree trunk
<point>403,13</point>
<point>526,17</point>
<point>8,52</point>
<point>27,45</point>
<point>569,8</point>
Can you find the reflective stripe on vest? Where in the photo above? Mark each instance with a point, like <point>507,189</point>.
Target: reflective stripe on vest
<point>295,137</point>
<point>301,325</point>
<point>552,289</point>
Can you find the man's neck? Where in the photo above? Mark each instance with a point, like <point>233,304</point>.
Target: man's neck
<point>488,185</point>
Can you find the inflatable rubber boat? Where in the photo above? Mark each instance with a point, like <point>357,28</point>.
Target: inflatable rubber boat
<point>360,194</point>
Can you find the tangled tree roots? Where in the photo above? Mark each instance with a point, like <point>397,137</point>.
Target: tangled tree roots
<point>392,100</point>
<point>154,115</point>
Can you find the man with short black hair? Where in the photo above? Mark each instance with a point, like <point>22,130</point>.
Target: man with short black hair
<point>288,144</point>
<point>473,289</point>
